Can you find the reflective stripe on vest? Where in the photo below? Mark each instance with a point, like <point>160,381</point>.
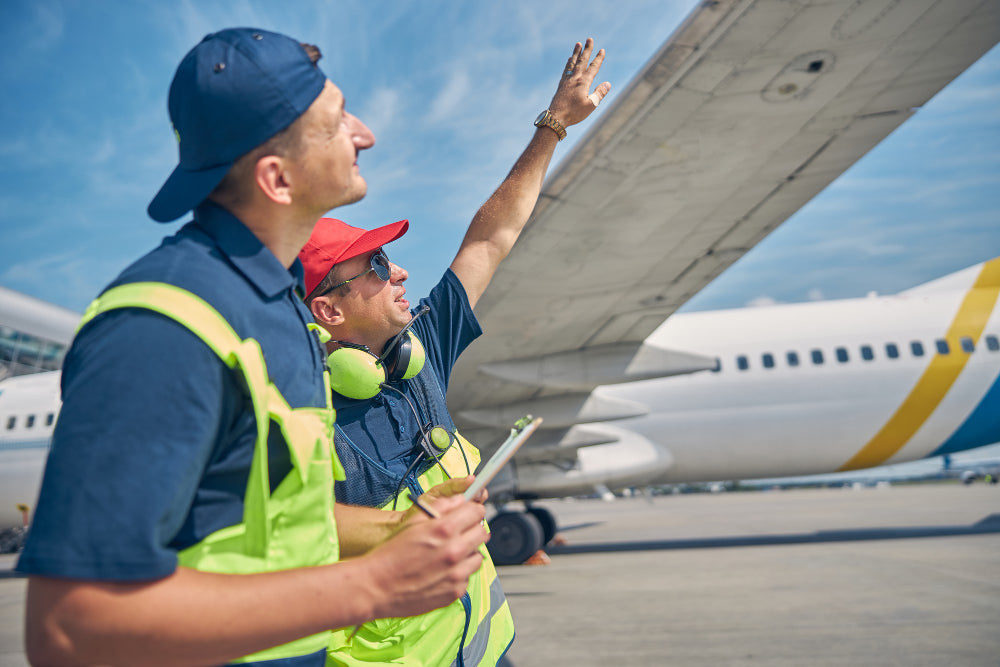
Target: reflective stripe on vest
<point>292,527</point>
<point>434,638</point>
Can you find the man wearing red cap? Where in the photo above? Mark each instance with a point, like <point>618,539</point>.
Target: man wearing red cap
<point>390,368</point>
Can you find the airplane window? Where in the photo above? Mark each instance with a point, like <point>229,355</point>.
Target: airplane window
<point>49,418</point>
<point>866,352</point>
<point>917,348</point>
<point>942,346</point>
<point>768,359</point>
<point>817,357</point>
<point>742,363</point>
<point>992,343</point>
<point>793,358</point>
<point>842,355</point>
<point>11,422</point>
<point>30,422</point>
<point>891,351</point>
<point>967,344</point>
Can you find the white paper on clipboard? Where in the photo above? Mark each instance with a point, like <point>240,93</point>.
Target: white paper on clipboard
<point>517,437</point>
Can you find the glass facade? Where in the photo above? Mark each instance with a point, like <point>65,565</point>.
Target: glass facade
<point>21,354</point>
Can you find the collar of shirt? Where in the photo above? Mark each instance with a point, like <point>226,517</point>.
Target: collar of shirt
<point>246,252</point>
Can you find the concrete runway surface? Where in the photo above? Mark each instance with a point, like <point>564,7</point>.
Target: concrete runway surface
<point>907,575</point>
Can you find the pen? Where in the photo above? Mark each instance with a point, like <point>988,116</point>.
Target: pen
<point>426,510</point>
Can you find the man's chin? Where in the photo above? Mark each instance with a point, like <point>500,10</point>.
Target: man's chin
<point>355,195</point>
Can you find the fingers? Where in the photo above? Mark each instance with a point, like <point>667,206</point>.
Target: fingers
<point>428,564</point>
<point>570,68</point>
<point>573,100</point>
<point>578,62</point>
<point>600,92</point>
<point>482,496</point>
<point>584,58</point>
<point>452,487</point>
<point>594,67</point>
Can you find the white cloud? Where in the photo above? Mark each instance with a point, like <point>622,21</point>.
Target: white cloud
<point>453,96</point>
<point>761,301</point>
<point>384,111</point>
<point>47,26</point>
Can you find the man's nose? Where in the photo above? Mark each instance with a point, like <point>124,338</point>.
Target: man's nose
<point>397,274</point>
<point>362,136</point>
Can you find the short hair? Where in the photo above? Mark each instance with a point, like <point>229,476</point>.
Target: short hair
<point>234,188</point>
<point>329,280</point>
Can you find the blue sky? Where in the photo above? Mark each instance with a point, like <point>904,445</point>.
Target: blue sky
<point>450,90</point>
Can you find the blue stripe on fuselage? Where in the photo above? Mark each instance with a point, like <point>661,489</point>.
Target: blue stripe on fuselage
<point>33,443</point>
<point>980,429</point>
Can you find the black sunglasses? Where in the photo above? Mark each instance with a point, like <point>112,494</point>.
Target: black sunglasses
<point>379,264</point>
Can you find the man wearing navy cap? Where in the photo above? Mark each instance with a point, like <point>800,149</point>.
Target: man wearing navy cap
<point>391,366</point>
<point>185,515</point>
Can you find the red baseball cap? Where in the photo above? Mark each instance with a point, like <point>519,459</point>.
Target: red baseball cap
<point>334,241</point>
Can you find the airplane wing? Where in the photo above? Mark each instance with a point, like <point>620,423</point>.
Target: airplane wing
<point>746,112</point>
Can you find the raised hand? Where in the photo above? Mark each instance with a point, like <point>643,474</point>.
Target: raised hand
<point>574,100</point>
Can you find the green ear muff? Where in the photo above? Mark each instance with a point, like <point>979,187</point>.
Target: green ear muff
<point>405,359</point>
<point>417,357</point>
<point>357,373</point>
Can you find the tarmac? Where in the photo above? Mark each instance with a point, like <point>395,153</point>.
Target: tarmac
<point>906,575</point>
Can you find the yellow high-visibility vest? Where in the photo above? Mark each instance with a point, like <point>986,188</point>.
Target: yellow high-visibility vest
<point>294,526</point>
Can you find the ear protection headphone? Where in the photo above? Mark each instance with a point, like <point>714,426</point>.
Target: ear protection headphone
<point>355,372</point>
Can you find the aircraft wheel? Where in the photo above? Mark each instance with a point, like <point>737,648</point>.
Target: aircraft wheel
<point>548,522</point>
<point>514,537</point>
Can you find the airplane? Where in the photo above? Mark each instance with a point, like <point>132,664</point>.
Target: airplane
<point>783,390</point>
<point>29,406</point>
<point>746,112</point>
<point>34,337</point>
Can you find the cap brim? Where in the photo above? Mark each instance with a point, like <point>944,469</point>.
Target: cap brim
<point>183,191</point>
<point>375,238</point>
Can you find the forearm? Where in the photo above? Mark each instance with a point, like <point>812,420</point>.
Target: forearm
<point>190,617</point>
<point>360,529</point>
<point>499,221</point>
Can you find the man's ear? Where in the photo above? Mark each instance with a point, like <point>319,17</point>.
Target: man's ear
<point>325,311</point>
<point>272,177</point>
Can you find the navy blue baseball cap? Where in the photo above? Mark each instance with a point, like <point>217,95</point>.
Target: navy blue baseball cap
<point>231,93</point>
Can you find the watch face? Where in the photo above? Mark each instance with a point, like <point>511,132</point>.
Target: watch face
<point>541,117</point>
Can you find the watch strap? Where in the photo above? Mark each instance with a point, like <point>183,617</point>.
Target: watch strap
<point>546,119</point>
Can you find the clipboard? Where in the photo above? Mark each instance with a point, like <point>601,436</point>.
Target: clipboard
<point>518,435</point>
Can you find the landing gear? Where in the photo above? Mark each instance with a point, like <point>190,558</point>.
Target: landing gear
<point>514,537</point>
<point>546,520</point>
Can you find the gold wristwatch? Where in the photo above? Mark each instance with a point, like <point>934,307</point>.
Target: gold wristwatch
<point>546,119</point>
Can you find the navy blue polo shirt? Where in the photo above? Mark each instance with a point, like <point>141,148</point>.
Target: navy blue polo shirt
<point>153,445</point>
<point>386,429</point>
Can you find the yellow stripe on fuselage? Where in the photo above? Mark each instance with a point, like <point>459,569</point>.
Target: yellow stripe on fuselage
<point>938,377</point>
